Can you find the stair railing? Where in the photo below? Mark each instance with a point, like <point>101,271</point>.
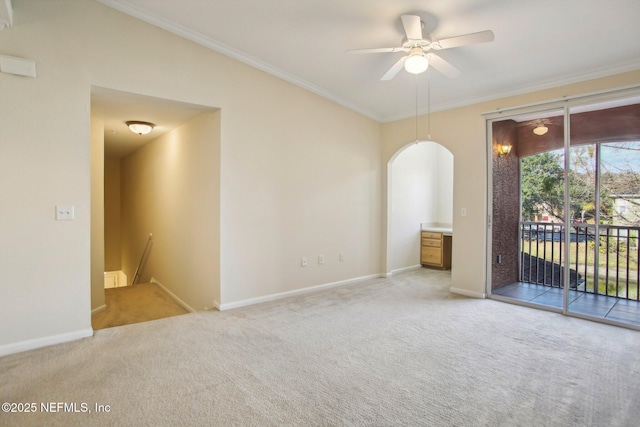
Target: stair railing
<point>144,254</point>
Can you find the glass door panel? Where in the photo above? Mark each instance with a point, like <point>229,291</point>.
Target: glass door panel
<point>582,176</point>
<point>619,219</point>
<point>528,208</point>
<point>604,181</point>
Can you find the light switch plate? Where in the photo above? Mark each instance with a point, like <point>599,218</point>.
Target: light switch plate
<point>64,213</point>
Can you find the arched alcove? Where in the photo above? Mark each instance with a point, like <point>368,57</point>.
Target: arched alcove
<point>419,190</point>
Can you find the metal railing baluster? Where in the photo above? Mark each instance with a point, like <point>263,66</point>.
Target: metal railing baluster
<point>627,275</point>
<point>617,261</point>
<point>606,283</point>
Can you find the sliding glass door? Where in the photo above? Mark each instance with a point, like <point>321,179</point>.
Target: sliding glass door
<point>565,208</point>
<point>604,177</point>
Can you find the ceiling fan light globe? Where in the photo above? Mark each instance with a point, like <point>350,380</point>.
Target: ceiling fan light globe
<point>416,64</point>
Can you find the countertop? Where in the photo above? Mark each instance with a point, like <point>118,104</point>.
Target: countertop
<point>445,229</point>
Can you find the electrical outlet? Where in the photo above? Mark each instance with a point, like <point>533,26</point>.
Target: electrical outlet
<point>64,213</point>
<point>341,257</point>
<point>320,259</point>
<point>303,261</point>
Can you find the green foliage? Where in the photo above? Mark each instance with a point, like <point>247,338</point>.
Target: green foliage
<point>542,185</point>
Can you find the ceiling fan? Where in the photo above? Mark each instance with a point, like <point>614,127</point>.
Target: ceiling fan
<point>419,49</point>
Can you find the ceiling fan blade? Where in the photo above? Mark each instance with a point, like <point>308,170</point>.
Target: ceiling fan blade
<point>467,39</point>
<point>378,50</point>
<point>443,66</point>
<point>395,69</point>
<point>412,26</point>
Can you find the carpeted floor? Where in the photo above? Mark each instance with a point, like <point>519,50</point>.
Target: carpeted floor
<point>134,304</point>
<point>389,352</point>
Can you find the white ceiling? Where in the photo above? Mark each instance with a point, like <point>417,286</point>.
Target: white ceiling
<point>538,44</point>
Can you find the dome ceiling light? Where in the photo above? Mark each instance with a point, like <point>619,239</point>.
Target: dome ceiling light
<point>540,130</point>
<point>141,128</point>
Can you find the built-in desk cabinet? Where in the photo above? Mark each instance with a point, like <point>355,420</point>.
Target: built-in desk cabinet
<point>435,250</point>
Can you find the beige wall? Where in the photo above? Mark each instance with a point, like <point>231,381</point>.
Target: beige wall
<point>304,182</point>
<point>112,228</point>
<point>171,188</point>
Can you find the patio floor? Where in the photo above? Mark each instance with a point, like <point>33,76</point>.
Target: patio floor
<point>599,306</point>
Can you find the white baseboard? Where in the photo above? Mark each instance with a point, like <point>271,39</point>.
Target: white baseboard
<point>280,295</point>
<point>468,293</point>
<point>103,307</point>
<point>172,295</point>
<point>21,346</point>
<point>403,269</point>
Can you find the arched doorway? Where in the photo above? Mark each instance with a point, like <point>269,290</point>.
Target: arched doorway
<point>419,191</point>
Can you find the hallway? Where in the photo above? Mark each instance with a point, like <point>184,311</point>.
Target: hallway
<point>135,304</point>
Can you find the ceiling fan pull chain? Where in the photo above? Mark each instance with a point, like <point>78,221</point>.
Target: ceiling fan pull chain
<point>428,109</point>
<point>416,108</point>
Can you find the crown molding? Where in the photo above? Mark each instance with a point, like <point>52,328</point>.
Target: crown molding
<point>619,68</point>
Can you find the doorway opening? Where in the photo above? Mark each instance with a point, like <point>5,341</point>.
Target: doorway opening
<point>419,194</point>
<point>565,221</point>
<point>165,184</point>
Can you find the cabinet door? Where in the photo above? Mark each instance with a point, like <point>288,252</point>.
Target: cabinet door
<point>432,256</point>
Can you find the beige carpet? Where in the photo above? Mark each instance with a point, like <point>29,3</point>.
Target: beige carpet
<point>134,304</point>
<point>390,352</point>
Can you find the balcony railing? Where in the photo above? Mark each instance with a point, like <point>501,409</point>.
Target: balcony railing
<point>602,260</point>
